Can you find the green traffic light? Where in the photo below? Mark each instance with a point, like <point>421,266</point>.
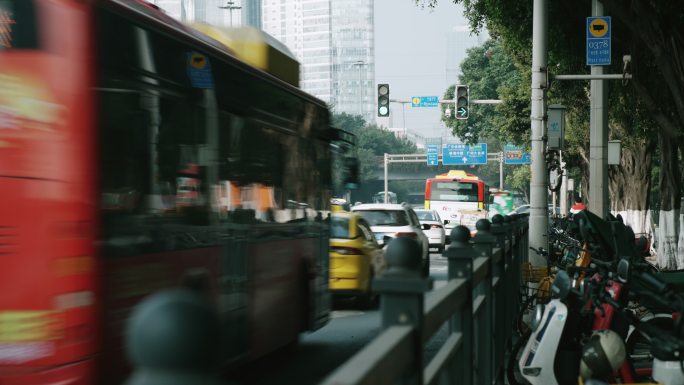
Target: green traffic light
<point>461,102</point>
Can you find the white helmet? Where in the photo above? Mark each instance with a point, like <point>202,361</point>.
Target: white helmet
<point>602,354</point>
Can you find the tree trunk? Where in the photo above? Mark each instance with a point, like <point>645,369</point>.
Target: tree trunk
<point>668,226</point>
<point>630,186</point>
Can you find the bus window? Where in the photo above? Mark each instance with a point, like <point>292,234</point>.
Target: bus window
<point>17,25</point>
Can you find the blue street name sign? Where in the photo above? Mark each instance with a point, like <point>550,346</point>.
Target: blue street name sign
<point>424,101</point>
<point>463,154</point>
<point>432,154</point>
<point>598,41</point>
<point>516,155</point>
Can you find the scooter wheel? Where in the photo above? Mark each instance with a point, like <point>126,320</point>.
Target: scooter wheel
<point>513,374</point>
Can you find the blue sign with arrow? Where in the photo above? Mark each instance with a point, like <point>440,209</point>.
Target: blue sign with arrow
<point>463,154</point>
<point>432,154</point>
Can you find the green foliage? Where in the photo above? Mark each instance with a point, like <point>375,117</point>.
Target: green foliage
<point>371,142</point>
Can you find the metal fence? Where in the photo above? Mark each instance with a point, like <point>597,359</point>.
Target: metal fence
<point>478,304</point>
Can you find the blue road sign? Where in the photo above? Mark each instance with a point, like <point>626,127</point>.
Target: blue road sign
<point>516,155</point>
<point>598,41</point>
<point>461,154</point>
<point>432,151</point>
<point>425,101</point>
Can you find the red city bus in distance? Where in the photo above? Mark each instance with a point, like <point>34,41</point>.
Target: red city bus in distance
<point>137,154</point>
<point>460,198</point>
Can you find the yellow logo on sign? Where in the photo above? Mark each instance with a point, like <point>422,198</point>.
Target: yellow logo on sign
<point>416,100</point>
<point>198,61</point>
<point>598,28</point>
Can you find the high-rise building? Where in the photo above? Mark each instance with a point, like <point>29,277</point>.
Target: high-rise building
<point>334,42</point>
<point>251,13</point>
<point>222,13</point>
<point>353,41</point>
<point>304,26</point>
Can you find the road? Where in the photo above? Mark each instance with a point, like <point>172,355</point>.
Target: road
<point>321,352</point>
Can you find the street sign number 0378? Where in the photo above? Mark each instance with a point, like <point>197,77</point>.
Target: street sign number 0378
<point>598,44</point>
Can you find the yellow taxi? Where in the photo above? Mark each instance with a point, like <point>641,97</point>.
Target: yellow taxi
<point>355,257</point>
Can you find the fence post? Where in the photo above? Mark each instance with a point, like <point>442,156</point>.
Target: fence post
<point>502,304</point>
<point>483,243</point>
<point>516,264</point>
<point>460,255</point>
<point>401,290</point>
<point>173,339</point>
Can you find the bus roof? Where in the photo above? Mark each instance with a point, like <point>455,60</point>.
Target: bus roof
<point>256,48</point>
<point>457,174</point>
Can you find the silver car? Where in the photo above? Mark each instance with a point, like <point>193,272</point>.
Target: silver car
<point>389,220</point>
<point>432,227</point>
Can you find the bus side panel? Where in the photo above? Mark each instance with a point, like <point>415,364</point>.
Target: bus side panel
<point>128,280</point>
<point>48,328</point>
<point>279,292</point>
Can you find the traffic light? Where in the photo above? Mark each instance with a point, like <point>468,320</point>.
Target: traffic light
<point>462,107</point>
<point>383,100</point>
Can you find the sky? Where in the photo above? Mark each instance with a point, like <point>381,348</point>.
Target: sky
<point>418,52</point>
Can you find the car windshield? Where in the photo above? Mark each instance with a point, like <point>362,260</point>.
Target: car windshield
<point>339,227</point>
<point>385,217</point>
<point>426,215</point>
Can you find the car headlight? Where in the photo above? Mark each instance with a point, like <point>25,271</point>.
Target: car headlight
<point>537,316</point>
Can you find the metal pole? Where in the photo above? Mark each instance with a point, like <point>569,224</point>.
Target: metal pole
<point>598,136</point>
<point>386,164</point>
<point>539,184</point>
<point>403,114</point>
<point>564,189</point>
<point>501,175</point>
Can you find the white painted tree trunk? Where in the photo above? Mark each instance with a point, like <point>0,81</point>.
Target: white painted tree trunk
<point>639,220</point>
<point>680,245</point>
<point>668,237</point>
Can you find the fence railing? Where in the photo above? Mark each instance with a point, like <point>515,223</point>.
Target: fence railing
<point>478,305</point>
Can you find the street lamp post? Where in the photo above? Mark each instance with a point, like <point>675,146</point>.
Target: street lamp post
<point>230,6</point>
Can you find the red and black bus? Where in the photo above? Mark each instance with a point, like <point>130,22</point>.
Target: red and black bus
<point>105,106</point>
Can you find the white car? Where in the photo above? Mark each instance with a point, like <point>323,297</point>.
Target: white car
<point>388,220</point>
<point>432,227</point>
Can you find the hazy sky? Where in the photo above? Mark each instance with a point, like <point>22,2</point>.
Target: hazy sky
<point>417,51</point>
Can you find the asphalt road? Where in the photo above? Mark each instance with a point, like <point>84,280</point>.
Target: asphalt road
<point>318,354</point>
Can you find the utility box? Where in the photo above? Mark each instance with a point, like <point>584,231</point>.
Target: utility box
<point>614,148</point>
<point>555,127</point>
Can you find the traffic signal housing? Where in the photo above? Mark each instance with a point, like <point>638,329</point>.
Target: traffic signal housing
<point>383,100</point>
<point>462,102</point>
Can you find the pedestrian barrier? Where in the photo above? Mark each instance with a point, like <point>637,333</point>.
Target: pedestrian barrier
<point>172,340</point>
<point>478,305</point>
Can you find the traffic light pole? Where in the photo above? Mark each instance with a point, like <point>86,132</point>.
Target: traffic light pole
<point>538,183</point>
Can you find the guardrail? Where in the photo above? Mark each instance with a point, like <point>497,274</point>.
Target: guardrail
<point>478,304</point>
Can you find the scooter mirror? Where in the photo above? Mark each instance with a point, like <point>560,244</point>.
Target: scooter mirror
<point>623,269</point>
<point>561,285</point>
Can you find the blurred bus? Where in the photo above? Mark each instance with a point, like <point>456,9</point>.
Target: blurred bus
<point>460,198</point>
<point>137,154</point>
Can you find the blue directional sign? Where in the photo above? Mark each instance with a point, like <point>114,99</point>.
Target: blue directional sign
<point>432,155</point>
<point>462,154</point>
<point>516,155</point>
<point>425,101</point>
<point>598,41</point>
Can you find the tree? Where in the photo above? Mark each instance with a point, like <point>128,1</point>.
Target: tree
<point>654,99</point>
<point>371,142</point>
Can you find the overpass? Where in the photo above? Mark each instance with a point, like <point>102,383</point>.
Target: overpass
<point>419,173</point>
